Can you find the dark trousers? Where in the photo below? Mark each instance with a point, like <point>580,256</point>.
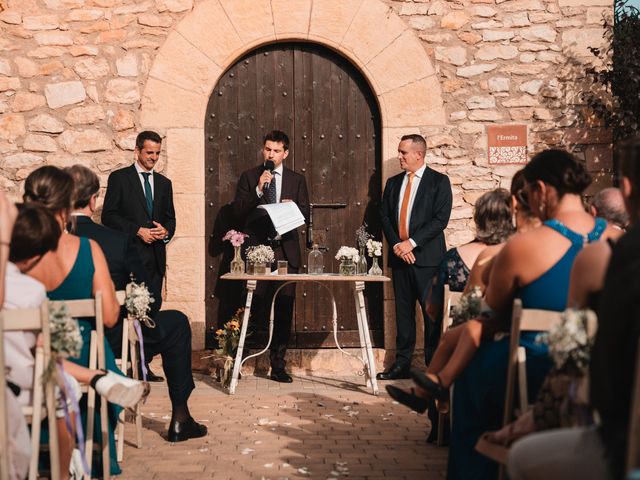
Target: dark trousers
<point>172,340</point>
<point>283,313</point>
<point>411,284</point>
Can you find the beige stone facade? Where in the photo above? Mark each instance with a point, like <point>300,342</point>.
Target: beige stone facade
<point>79,78</point>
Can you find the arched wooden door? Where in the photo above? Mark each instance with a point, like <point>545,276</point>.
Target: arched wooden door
<point>330,114</point>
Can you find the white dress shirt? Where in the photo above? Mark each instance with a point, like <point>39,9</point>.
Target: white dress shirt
<point>414,188</point>
<point>277,176</point>
<point>140,171</point>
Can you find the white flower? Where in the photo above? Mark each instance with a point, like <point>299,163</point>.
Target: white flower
<point>66,339</point>
<point>469,306</point>
<point>138,301</point>
<point>348,252</point>
<point>374,248</point>
<point>260,254</point>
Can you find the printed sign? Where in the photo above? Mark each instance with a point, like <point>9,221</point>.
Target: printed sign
<point>507,144</point>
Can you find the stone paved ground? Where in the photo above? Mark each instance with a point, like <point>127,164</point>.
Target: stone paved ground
<point>317,427</point>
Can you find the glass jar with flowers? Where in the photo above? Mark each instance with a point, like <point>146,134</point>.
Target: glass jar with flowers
<point>348,257</point>
<point>374,249</point>
<point>237,239</point>
<point>261,256</point>
<point>362,236</point>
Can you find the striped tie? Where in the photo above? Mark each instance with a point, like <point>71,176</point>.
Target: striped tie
<point>404,209</point>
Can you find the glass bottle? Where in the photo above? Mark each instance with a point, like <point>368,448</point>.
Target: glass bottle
<point>237,264</point>
<point>315,262</point>
<point>361,266</point>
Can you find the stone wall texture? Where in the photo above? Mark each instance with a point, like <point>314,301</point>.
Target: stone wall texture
<point>79,79</point>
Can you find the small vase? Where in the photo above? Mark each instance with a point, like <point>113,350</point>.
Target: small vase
<point>237,264</point>
<point>375,268</point>
<point>361,268</point>
<point>260,268</point>
<point>347,267</point>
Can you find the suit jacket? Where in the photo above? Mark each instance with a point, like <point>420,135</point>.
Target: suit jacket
<point>255,221</point>
<point>429,217</point>
<point>125,209</point>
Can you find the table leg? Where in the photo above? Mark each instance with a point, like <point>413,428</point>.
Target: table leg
<point>251,286</point>
<point>363,327</point>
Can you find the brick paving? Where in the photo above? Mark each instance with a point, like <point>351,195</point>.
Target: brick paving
<point>317,427</point>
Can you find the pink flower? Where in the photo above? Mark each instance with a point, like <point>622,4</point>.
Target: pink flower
<point>236,238</point>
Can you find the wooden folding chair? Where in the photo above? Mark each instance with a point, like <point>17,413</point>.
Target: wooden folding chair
<point>36,320</point>
<point>633,447</point>
<point>451,299</point>
<point>92,307</point>
<point>130,349</point>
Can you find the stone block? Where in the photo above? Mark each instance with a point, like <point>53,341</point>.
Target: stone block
<point>474,70</point>
<point>532,87</point>
<point>84,15</point>
<point>417,103</point>
<point>25,101</point>
<point>92,68</point>
<point>5,67</point>
<point>583,3</point>
<point>497,35</point>
<point>595,15</point>
<point>45,123</point>
<point>183,65</point>
<point>383,66</point>
<point>80,115</point>
<point>39,143</point>
<point>84,141</point>
<point>421,23</point>
<point>470,37</point>
<point>127,66</point>
<point>54,38</point>
<point>174,6</point>
<point>217,43</point>
<point>454,20</point>
<point>453,55</point>
<point>12,17</point>
<point>523,5</point>
<point>190,215</point>
<point>480,102</point>
<point>9,83</point>
<point>523,101</point>
<point>22,160</point>
<point>485,115</point>
<point>45,52</point>
<point>50,68</point>
<point>521,113</point>
<point>185,269</point>
<point>80,50</point>
<point>539,33</point>
<point>331,19</point>
<point>486,25</point>
<point>64,93</point>
<point>123,120</point>
<point>167,106</point>
<point>366,42</point>
<point>499,84</point>
<point>291,17</point>
<point>40,22</point>
<point>493,52</point>
<point>185,160</point>
<point>520,19</point>
<point>121,90</point>
<point>578,40</point>
<point>136,7</point>
<point>11,126</point>
<point>111,36</point>
<point>252,19</point>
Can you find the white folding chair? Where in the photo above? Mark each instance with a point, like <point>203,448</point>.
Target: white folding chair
<point>92,307</point>
<point>36,320</point>
<point>451,299</point>
<point>633,447</point>
<point>130,349</point>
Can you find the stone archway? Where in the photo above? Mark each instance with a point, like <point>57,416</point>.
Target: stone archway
<point>211,38</point>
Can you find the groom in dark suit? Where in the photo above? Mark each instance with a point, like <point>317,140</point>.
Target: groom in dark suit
<point>272,182</point>
<point>171,338</point>
<point>139,201</point>
<point>416,206</point>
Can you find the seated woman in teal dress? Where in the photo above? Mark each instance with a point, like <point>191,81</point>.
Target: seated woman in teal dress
<point>77,269</point>
<point>535,267</point>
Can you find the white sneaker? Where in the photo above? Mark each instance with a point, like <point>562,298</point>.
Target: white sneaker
<point>76,469</point>
<point>121,390</point>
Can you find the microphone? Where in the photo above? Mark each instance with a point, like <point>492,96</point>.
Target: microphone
<point>268,165</point>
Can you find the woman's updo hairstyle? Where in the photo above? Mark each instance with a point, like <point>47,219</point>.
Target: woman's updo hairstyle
<point>50,187</point>
<point>559,169</point>
<point>493,217</point>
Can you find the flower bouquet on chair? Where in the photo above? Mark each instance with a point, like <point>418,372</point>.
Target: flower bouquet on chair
<point>138,302</point>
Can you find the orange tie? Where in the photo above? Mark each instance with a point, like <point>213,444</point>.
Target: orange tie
<point>402,228</point>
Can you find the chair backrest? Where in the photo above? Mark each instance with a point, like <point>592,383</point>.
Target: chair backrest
<point>523,320</point>
<point>633,447</point>
<point>451,299</point>
<point>120,296</point>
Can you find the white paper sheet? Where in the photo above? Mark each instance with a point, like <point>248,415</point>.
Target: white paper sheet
<point>285,216</point>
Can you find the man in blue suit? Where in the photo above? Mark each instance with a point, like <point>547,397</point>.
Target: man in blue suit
<point>416,206</point>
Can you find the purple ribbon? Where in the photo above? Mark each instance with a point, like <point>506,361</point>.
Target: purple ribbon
<point>136,326</point>
<point>68,390</point>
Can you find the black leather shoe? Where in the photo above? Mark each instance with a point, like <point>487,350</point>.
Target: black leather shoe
<point>394,373</point>
<point>282,377</point>
<point>181,431</point>
<point>408,399</point>
<point>152,377</point>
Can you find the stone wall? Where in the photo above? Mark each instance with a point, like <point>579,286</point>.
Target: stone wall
<point>79,79</point>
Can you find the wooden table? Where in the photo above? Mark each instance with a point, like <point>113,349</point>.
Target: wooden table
<point>322,280</point>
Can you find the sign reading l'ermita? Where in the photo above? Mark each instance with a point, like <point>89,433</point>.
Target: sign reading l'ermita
<point>507,144</point>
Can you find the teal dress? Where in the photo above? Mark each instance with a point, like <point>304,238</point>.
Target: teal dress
<point>478,399</point>
<point>76,286</point>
